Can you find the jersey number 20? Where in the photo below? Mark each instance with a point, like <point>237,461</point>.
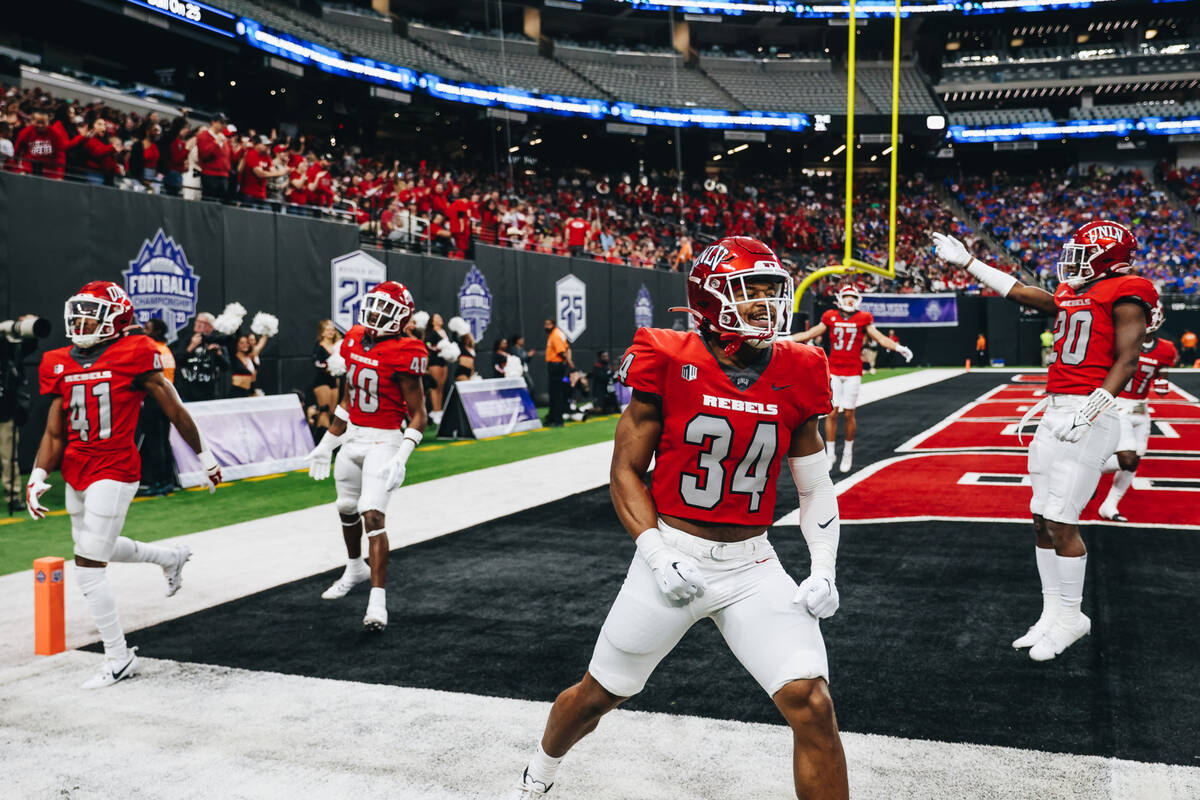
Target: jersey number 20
<point>1077,328</point>
<point>714,436</point>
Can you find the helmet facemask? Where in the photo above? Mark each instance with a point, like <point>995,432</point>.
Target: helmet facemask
<point>83,308</point>
<point>756,321</point>
<point>1075,264</point>
<point>849,300</point>
<point>382,315</point>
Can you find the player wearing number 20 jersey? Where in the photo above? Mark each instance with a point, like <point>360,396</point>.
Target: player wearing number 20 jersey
<point>718,409</point>
<point>377,425</point>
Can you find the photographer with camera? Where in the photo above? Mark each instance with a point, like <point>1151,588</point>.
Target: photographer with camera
<point>202,361</point>
<point>18,340</point>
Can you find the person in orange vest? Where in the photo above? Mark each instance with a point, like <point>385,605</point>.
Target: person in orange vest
<point>981,348</point>
<point>1187,347</point>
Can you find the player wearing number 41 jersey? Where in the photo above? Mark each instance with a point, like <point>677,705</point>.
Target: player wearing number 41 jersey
<point>1102,316</point>
<point>848,327</point>
<point>96,387</point>
<point>378,424</point>
<point>719,410</point>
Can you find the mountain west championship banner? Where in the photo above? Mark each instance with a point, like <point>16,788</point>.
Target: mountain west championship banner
<point>475,302</point>
<point>570,294</point>
<point>162,284</point>
<point>354,274</point>
<point>643,309</point>
<point>492,407</point>
<point>912,310</point>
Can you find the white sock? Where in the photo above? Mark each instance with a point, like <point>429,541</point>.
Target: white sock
<point>1047,567</point>
<point>103,605</point>
<point>1120,485</point>
<point>829,450</point>
<point>378,596</point>
<point>848,449</point>
<point>1071,570</point>
<point>128,550</point>
<point>542,768</point>
<point>1112,465</point>
<point>356,565</point>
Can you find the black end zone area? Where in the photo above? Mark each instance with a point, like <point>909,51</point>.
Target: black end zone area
<point>919,649</point>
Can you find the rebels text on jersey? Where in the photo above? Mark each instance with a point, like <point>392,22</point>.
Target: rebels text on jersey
<point>1085,334</point>
<point>718,457</point>
<point>1150,362</point>
<point>846,335</point>
<point>372,371</point>
<point>101,405</point>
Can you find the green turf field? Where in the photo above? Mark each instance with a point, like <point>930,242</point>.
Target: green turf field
<point>22,539</point>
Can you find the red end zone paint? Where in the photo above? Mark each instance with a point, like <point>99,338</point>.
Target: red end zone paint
<point>1015,409</point>
<point>987,434</point>
<point>995,486</point>
<point>1032,392</point>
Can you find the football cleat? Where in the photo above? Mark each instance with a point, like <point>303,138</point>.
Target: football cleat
<point>174,573</point>
<point>531,788</point>
<point>1035,633</point>
<point>114,671</point>
<point>1111,513</point>
<point>350,578</point>
<point>1059,637</point>
<point>376,617</point>
<point>847,462</point>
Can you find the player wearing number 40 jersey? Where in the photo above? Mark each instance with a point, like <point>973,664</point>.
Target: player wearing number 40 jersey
<point>96,387</point>
<point>719,410</point>
<point>378,424</point>
<point>1102,316</point>
<point>848,328</point>
<point>1156,356</point>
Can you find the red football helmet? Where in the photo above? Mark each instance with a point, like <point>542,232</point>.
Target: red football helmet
<point>717,293</point>
<point>103,302</point>
<point>386,309</point>
<point>848,298</point>
<point>1097,249</point>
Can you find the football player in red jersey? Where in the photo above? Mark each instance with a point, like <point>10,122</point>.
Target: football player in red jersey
<point>719,410</point>
<point>378,424</point>
<point>848,328</point>
<point>1156,356</point>
<point>1102,315</point>
<point>97,387</point>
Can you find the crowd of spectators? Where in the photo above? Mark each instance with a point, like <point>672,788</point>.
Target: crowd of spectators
<point>1032,216</point>
<point>648,221</point>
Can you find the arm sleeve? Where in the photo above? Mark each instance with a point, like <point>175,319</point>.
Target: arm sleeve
<point>643,367</point>
<point>818,512</point>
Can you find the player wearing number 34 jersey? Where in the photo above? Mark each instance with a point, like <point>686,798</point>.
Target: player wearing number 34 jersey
<point>378,425</point>
<point>718,410</point>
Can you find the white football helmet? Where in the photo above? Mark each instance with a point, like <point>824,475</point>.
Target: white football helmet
<point>1157,317</point>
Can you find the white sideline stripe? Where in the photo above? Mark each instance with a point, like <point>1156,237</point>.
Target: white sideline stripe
<point>884,388</point>
<point>250,739</point>
<point>249,557</point>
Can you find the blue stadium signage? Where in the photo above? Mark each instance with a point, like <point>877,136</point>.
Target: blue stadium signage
<point>323,58</point>
<point>1073,129</point>
<point>193,12</point>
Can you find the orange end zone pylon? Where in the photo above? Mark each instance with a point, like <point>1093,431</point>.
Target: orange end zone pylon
<point>48,612</point>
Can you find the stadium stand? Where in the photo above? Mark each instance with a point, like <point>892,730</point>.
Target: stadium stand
<point>655,80</point>
<point>1000,116</point>
<point>875,80</point>
<point>808,85</point>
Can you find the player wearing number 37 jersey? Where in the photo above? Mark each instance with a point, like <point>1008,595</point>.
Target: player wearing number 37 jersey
<point>1102,316</point>
<point>378,424</point>
<point>96,387</point>
<point>719,410</point>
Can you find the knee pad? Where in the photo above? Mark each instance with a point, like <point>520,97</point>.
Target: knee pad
<point>347,508</point>
<point>90,578</point>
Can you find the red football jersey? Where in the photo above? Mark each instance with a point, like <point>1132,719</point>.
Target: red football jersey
<point>101,406</point>
<point>846,337</point>
<point>1150,362</point>
<point>718,456</point>
<point>1084,333</point>
<point>372,368</point>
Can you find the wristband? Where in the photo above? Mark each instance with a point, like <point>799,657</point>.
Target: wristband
<point>207,460</point>
<point>412,437</point>
<point>999,282</point>
<point>38,475</point>
<point>650,545</point>
<point>341,413</point>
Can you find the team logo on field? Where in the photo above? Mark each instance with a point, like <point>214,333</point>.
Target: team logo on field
<point>689,372</point>
<point>162,284</point>
<point>570,295</point>
<point>475,302</point>
<point>643,309</point>
<point>354,274</point>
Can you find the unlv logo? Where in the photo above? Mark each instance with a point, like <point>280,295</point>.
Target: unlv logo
<point>713,255</point>
<point>1114,232</point>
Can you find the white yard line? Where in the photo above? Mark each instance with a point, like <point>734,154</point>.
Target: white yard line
<point>238,560</point>
<point>199,731</point>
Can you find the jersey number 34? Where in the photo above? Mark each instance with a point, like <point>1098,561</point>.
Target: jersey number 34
<point>714,436</point>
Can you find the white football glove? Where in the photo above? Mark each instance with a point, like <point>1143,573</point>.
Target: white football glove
<point>678,576</point>
<point>819,596</point>
<point>321,456</point>
<point>1097,403</point>
<point>34,490</point>
<point>211,468</point>
<point>951,250</point>
<point>904,351</point>
<point>393,472</point>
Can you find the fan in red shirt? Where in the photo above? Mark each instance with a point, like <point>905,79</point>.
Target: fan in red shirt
<point>214,154</point>
<point>718,410</point>
<point>577,233</point>
<point>97,386</point>
<point>1103,312</point>
<point>848,327</point>
<point>100,152</point>
<point>40,148</point>
<point>1156,356</point>
<point>384,402</point>
<point>257,170</point>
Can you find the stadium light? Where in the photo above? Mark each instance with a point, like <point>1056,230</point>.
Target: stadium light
<point>839,149</point>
